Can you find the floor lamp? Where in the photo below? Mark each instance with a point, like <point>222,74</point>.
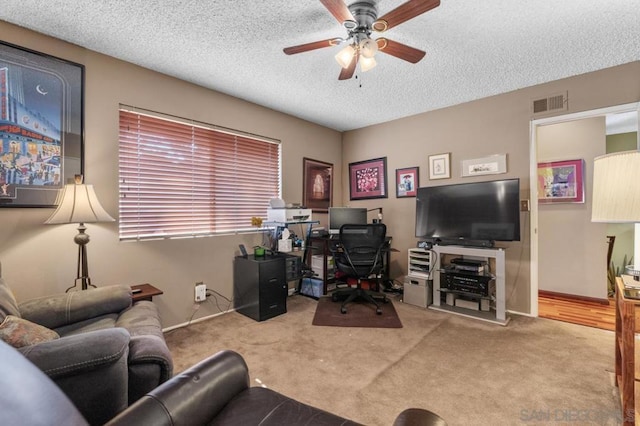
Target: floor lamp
<point>616,193</point>
<point>78,203</point>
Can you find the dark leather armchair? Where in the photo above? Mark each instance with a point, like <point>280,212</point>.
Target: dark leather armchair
<point>359,255</point>
<point>100,349</point>
<point>214,392</point>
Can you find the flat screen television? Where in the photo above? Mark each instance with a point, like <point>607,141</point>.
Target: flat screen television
<point>475,214</point>
<point>339,216</point>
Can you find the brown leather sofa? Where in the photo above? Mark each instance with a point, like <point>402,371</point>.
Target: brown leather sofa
<point>214,392</point>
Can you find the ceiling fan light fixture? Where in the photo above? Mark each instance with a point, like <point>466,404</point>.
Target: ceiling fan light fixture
<point>367,63</point>
<point>368,48</point>
<point>345,56</point>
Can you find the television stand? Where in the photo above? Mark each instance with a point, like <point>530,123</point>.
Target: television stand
<point>473,290</point>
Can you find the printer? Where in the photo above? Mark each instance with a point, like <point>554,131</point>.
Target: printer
<point>279,211</point>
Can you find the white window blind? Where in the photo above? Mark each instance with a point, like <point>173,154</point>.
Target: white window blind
<point>179,179</point>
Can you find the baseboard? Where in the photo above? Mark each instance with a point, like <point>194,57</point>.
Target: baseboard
<point>195,321</point>
<point>555,295</point>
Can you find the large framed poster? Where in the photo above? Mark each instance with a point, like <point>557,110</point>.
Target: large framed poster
<point>41,126</point>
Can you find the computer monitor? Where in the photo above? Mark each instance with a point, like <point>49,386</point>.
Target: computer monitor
<point>339,216</point>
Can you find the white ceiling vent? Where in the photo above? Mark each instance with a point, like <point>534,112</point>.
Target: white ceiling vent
<point>557,102</point>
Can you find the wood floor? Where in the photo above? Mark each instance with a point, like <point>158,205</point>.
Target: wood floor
<point>592,313</point>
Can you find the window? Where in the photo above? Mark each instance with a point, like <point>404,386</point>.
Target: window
<point>180,178</point>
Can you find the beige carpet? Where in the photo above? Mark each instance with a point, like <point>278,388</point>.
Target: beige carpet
<point>532,372</point>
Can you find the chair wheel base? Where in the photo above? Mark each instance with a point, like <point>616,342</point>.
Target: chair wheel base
<point>379,311</point>
<point>343,310</point>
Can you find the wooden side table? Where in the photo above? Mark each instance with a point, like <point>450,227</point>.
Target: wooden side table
<point>147,291</point>
<point>625,352</point>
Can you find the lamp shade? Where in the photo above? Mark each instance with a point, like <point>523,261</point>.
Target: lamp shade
<point>616,188</point>
<point>367,63</point>
<point>345,56</point>
<point>78,203</point>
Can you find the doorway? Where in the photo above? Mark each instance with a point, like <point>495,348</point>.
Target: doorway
<point>566,267</point>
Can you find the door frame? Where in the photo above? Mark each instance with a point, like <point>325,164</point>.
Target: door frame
<point>533,177</point>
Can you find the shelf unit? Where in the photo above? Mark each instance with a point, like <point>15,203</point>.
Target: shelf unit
<point>321,247</point>
<point>419,263</point>
<point>494,257</point>
<point>625,350</point>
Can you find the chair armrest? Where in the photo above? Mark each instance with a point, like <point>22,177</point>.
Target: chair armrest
<point>80,353</point>
<point>63,309</point>
<point>90,368</point>
<point>192,397</point>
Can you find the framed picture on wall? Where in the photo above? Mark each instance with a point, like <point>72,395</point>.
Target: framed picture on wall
<point>317,185</point>
<point>368,179</point>
<point>439,167</point>
<point>41,126</point>
<point>561,182</point>
<point>407,182</point>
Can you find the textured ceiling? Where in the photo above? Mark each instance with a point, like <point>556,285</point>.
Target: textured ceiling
<point>474,49</point>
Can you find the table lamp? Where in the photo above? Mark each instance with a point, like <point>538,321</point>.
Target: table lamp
<point>616,192</point>
<point>78,203</point>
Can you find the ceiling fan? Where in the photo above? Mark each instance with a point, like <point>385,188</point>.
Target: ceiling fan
<point>360,19</point>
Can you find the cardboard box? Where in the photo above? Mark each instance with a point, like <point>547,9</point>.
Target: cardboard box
<point>317,259</point>
<point>311,287</point>
<point>417,292</point>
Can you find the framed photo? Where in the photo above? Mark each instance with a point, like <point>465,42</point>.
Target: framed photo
<point>41,126</point>
<point>561,182</point>
<point>317,185</point>
<point>368,179</point>
<point>407,182</point>
<point>491,165</point>
<point>439,167</point>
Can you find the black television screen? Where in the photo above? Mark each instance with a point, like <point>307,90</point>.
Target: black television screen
<point>339,216</point>
<point>469,213</point>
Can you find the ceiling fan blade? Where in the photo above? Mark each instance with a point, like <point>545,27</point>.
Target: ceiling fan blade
<point>338,9</point>
<point>399,50</point>
<point>403,13</point>
<point>311,46</point>
<point>347,73</point>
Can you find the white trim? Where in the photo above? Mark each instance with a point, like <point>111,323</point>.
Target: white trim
<point>533,165</point>
<point>195,321</point>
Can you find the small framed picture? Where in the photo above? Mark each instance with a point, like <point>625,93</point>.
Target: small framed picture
<point>317,185</point>
<point>491,165</point>
<point>407,182</point>
<point>439,166</point>
<point>561,182</point>
<point>368,179</point>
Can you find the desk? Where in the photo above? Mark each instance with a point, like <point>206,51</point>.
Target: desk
<point>147,291</point>
<point>325,246</point>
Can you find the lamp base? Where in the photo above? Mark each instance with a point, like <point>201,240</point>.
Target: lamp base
<point>82,274</point>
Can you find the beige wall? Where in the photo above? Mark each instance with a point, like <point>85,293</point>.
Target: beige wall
<point>39,259</point>
<point>494,125</point>
<point>572,249</point>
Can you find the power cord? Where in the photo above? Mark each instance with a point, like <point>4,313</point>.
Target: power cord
<point>211,292</point>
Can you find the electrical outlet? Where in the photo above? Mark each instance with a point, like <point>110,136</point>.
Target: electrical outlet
<point>200,292</point>
<point>524,205</point>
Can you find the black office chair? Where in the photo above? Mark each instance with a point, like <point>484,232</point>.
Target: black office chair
<point>359,255</point>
